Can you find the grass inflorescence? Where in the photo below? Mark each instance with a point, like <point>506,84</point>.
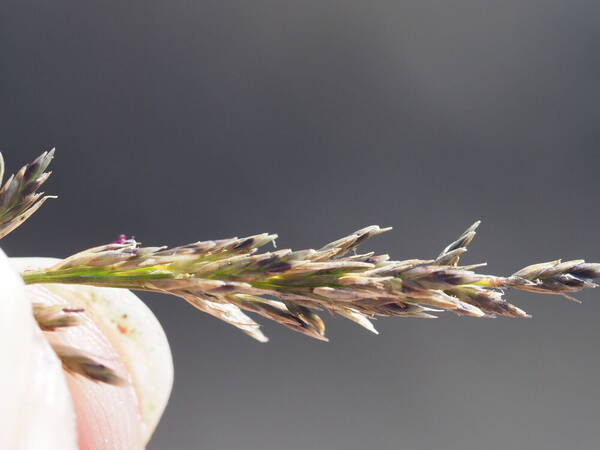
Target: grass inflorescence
<point>229,276</point>
<point>19,198</point>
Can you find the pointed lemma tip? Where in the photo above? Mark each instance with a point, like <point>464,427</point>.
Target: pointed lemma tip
<point>319,337</point>
<point>257,335</point>
<point>571,299</point>
<point>369,326</point>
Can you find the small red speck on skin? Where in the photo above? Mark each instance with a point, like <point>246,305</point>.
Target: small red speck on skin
<point>121,329</point>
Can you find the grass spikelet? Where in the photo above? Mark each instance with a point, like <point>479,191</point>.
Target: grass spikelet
<point>76,362</point>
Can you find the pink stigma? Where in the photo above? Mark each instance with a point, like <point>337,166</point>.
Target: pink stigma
<point>121,240</point>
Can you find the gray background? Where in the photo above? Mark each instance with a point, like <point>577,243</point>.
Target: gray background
<point>183,120</point>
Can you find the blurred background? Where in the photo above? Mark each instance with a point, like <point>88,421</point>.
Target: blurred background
<point>185,120</point>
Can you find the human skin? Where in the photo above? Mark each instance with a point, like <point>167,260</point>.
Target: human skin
<point>46,407</point>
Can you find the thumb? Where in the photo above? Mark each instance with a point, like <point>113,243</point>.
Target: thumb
<point>51,408</point>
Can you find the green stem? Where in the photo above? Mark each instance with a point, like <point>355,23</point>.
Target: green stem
<point>95,278</point>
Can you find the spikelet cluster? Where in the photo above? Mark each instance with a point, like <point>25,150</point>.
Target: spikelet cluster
<point>19,198</point>
<point>229,278</point>
<point>226,278</point>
